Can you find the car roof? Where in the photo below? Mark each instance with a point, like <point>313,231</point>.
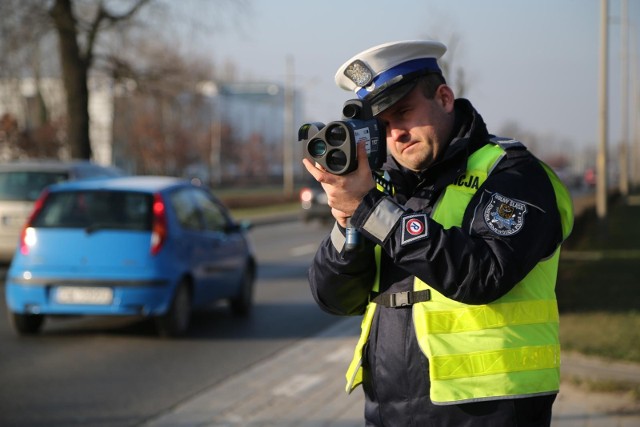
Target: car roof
<point>143,183</point>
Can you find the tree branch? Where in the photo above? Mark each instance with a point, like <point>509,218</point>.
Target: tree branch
<point>104,15</point>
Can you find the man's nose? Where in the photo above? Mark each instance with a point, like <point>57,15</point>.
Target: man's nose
<point>398,134</point>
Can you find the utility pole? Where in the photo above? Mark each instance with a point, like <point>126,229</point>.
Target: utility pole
<point>601,161</point>
<point>635,108</point>
<point>624,66</point>
<point>635,91</point>
<point>212,90</point>
<point>288,135</point>
<point>215,164</point>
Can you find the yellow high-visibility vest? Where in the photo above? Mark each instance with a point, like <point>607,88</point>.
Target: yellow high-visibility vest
<point>507,348</point>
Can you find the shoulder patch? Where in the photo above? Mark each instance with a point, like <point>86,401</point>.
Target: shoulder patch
<point>504,216</point>
<point>414,227</point>
<point>507,143</point>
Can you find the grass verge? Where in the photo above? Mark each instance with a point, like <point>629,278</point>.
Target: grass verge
<point>599,284</point>
<point>598,290</point>
<point>632,389</point>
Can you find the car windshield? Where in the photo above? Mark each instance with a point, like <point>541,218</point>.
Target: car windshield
<point>26,185</point>
<point>95,210</point>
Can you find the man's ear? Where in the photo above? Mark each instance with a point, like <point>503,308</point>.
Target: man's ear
<point>446,97</point>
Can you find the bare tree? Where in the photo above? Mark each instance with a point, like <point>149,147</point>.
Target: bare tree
<point>161,121</point>
<point>84,32</point>
<point>76,61</point>
<point>27,23</point>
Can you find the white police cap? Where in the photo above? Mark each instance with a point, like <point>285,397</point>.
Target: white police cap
<point>372,74</point>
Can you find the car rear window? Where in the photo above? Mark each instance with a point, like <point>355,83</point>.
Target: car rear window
<point>27,185</point>
<point>102,209</point>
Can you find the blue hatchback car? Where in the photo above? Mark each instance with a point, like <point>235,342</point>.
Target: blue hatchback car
<point>150,246</point>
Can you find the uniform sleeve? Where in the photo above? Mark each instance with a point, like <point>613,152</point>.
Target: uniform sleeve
<point>511,223</point>
<point>342,281</point>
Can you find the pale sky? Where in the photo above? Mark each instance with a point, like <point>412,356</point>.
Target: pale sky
<point>532,62</point>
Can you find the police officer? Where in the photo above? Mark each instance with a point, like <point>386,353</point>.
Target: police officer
<point>456,274</point>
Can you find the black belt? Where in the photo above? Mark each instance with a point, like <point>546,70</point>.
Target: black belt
<point>401,299</point>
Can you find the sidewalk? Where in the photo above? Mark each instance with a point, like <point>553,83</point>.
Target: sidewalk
<point>304,386</point>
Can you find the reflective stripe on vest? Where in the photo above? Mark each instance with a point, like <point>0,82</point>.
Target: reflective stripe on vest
<point>354,373</point>
<point>478,352</point>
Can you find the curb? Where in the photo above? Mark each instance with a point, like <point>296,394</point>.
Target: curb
<point>581,366</point>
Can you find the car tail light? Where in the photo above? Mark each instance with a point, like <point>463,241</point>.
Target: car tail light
<point>159,225</point>
<point>306,195</point>
<point>28,235</point>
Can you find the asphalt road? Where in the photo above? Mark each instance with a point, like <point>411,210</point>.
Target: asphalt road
<point>116,372</point>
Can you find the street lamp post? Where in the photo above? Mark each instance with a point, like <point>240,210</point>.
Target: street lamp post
<point>601,163</point>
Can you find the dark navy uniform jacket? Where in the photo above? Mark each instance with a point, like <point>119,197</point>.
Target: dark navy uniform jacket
<point>470,264</point>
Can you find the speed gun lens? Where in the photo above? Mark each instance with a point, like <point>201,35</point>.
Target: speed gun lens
<point>336,135</point>
<point>336,161</point>
<point>317,148</point>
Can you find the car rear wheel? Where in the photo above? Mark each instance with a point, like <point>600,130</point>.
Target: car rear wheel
<point>176,321</point>
<point>26,324</point>
<point>241,304</point>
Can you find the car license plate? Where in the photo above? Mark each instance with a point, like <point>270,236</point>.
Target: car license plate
<point>83,295</point>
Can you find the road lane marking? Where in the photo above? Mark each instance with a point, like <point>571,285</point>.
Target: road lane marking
<point>343,354</point>
<point>297,384</point>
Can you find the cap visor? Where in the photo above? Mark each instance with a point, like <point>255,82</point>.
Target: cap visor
<point>390,96</point>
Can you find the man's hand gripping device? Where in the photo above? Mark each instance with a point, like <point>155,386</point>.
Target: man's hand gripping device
<point>334,146</point>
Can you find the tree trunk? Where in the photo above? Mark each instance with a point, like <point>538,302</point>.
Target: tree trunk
<point>75,69</point>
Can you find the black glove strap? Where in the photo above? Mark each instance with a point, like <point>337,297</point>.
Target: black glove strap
<point>401,299</point>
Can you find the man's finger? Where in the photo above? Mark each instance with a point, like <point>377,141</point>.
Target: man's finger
<point>316,171</point>
<point>362,155</point>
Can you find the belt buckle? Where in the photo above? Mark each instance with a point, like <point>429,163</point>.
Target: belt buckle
<point>400,299</point>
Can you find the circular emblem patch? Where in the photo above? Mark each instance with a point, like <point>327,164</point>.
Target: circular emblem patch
<point>415,227</point>
<point>504,216</point>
